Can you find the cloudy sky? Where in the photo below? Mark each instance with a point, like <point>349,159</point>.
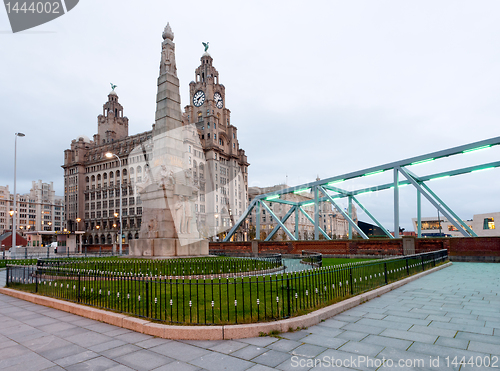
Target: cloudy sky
<point>317,88</point>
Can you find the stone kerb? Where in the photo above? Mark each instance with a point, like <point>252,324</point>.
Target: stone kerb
<point>213,332</point>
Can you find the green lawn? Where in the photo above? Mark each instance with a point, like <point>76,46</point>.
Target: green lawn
<point>336,261</point>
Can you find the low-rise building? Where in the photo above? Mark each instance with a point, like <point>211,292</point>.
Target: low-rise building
<point>482,224</point>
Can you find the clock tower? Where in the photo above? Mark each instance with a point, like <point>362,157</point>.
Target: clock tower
<point>226,163</point>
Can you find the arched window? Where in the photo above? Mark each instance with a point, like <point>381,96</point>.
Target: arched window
<point>86,179</point>
<point>105,176</point>
<point>200,117</point>
<point>98,177</point>
<point>139,169</point>
<point>111,175</point>
<point>131,171</point>
<point>93,178</point>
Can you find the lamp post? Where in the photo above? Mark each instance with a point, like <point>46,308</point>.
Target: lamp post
<point>110,155</point>
<point>79,245</point>
<point>15,195</point>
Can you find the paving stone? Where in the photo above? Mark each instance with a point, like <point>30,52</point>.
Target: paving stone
<point>217,361</point>
<point>478,346</point>
<point>346,359</point>
<point>89,338</point>
<point>465,328</point>
<point>296,336</point>
<point>345,318</point>
<point>283,345</point>
<point>261,341</point>
<point>272,358</point>
<point>228,346</point>
<point>119,351</point>
<point>384,324</point>
<point>308,350</point>
<point>295,363</point>
<point>442,351</point>
<point>53,354</point>
<point>202,343</point>
<point>133,337</point>
<point>375,315</point>
<point>325,341</point>
<point>366,329</point>
<point>95,364</point>
<point>333,322</point>
<point>26,362</point>
<point>453,343</point>
<point>407,335</point>
<point>260,368</point>
<point>406,320</point>
<point>420,361</point>
<point>352,335</point>
<point>180,351</point>
<point>433,317</point>
<point>152,342</point>
<point>387,342</point>
<point>176,366</point>
<point>323,330</point>
<point>143,360</point>
<point>107,345</point>
<point>364,349</point>
<point>433,331</point>
<point>468,322</point>
<point>249,352</point>
<point>76,358</point>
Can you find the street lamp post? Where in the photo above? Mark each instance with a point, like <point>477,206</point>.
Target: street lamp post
<point>79,245</point>
<point>110,155</point>
<point>15,194</point>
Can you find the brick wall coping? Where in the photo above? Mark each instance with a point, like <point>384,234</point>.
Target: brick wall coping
<point>212,332</point>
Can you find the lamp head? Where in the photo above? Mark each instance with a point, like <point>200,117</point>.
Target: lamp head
<point>109,155</point>
<point>20,134</point>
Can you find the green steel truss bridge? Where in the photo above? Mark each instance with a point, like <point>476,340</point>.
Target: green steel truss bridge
<point>329,190</point>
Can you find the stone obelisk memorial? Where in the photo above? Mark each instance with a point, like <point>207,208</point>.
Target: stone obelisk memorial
<point>167,191</point>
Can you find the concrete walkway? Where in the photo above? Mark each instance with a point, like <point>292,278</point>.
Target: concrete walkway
<point>429,324</point>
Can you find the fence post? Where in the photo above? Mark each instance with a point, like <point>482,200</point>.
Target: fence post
<point>78,297</point>
<point>423,268</point>
<point>8,274</point>
<point>352,282</point>
<point>407,268</point>
<point>25,253</point>
<point>48,252</point>
<point>147,298</point>
<point>288,295</point>
<point>385,272</point>
<point>36,279</point>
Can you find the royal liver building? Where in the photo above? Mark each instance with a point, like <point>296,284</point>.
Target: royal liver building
<point>216,167</point>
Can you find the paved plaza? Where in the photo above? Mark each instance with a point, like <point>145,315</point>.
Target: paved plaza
<point>428,324</point>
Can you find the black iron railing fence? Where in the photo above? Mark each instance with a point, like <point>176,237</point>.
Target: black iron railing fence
<point>213,298</point>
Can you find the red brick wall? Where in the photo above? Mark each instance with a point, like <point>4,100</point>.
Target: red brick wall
<point>457,246</point>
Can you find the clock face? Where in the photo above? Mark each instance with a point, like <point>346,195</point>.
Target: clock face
<point>218,100</point>
<point>198,98</point>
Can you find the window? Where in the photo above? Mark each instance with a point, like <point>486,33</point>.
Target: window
<point>489,223</point>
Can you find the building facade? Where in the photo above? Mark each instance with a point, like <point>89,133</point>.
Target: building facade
<point>38,210</point>
<point>330,220</point>
<point>92,181</point>
<point>482,224</point>
<point>224,188</point>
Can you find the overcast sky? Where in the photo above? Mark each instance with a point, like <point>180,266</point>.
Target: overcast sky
<point>315,88</point>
